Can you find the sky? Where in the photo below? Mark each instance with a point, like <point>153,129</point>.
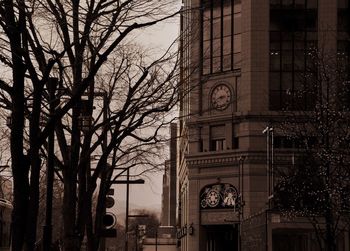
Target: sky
<point>149,194</point>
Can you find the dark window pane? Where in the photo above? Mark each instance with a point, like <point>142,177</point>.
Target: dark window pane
<point>312,36</point>
<point>300,4</point>
<point>275,4</point>
<point>299,101</point>
<point>277,142</point>
<point>310,102</point>
<point>286,100</point>
<point>287,45</point>
<point>312,4</point>
<point>293,40</point>
<point>287,3</point>
<point>299,20</point>
<point>275,37</point>
<point>275,82</point>
<point>299,60</point>
<point>275,63</point>
<point>275,46</point>
<point>311,20</point>
<point>343,4</point>
<point>299,81</point>
<point>287,81</point>
<point>275,23</point>
<point>275,100</point>
<point>235,143</point>
<point>287,60</point>
<point>343,20</point>
<point>287,36</point>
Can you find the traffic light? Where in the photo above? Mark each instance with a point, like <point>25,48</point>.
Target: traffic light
<point>109,220</point>
<point>109,198</point>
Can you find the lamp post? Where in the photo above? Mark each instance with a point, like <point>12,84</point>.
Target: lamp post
<point>241,190</point>
<point>156,239</point>
<point>47,229</point>
<point>269,162</point>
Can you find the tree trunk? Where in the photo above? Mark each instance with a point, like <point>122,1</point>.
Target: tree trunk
<point>71,238</point>
<point>33,207</point>
<point>20,206</point>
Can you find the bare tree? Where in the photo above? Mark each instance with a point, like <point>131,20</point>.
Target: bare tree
<point>73,41</point>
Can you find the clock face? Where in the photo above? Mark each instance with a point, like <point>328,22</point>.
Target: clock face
<point>221,97</point>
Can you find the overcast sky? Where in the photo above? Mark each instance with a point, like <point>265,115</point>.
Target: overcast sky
<point>148,195</point>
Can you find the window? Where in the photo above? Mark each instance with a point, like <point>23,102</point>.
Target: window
<point>343,50</point>
<point>217,138</point>
<point>235,143</point>
<point>293,40</point>
<point>221,35</point>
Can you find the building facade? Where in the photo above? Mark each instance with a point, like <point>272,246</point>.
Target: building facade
<point>240,62</point>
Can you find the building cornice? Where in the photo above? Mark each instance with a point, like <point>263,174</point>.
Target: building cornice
<point>229,158</point>
<point>263,116</point>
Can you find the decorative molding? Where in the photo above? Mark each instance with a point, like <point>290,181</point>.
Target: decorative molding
<point>229,158</point>
<point>224,159</point>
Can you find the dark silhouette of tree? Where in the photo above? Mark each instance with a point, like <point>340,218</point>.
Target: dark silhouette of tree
<point>316,183</point>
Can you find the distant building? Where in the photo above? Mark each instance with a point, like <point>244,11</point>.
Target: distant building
<point>5,188</point>
<point>168,216</point>
<point>164,219</point>
<point>5,212</point>
<point>239,65</point>
<point>166,233</point>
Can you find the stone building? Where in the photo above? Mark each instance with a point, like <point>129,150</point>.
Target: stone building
<point>166,233</point>
<point>168,214</point>
<point>239,61</point>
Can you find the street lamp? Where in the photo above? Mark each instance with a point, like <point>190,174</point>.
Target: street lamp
<point>241,198</point>
<point>269,131</point>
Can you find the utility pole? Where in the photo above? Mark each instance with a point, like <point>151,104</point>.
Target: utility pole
<point>127,210</point>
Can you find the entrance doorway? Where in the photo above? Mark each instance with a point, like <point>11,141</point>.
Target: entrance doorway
<point>222,238</point>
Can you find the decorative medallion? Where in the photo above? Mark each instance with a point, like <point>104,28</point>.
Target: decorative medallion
<point>219,196</point>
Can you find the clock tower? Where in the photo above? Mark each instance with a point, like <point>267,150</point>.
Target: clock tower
<point>222,164</point>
